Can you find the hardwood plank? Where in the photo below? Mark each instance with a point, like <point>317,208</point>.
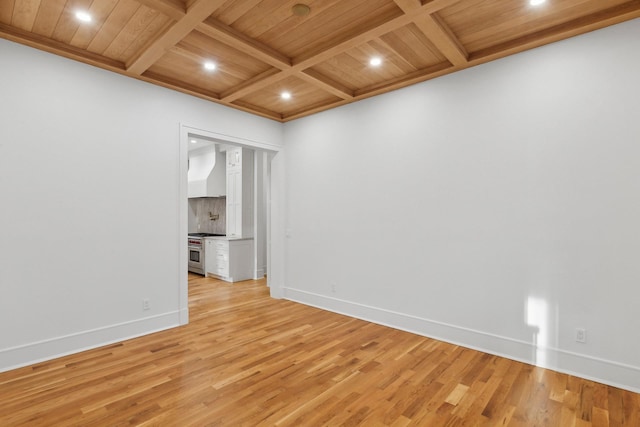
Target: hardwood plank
<point>24,14</point>
<point>581,25</point>
<point>6,11</point>
<point>480,24</point>
<point>146,31</point>
<point>59,48</point>
<point>47,18</point>
<point>293,35</point>
<point>100,11</point>
<point>112,26</point>
<point>67,24</point>
<point>132,32</point>
<point>246,359</point>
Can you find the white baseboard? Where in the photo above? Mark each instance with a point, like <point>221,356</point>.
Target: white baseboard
<point>600,370</point>
<point>28,354</point>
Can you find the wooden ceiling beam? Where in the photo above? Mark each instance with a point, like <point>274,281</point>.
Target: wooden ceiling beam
<point>432,6</point>
<point>320,55</point>
<point>595,21</point>
<point>435,29</point>
<point>258,82</point>
<point>416,77</point>
<point>263,111</point>
<point>314,109</point>
<point>323,82</point>
<point>62,49</point>
<point>350,41</point>
<point>323,53</point>
<point>199,93</point>
<point>317,107</point>
<point>147,56</point>
<point>272,76</point>
<point>173,9</point>
<point>231,37</point>
<point>409,79</point>
<point>439,33</point>
<point>409,7</point>
<point>181,86</point>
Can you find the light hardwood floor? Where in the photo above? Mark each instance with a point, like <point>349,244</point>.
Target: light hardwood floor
<point>246,359</point>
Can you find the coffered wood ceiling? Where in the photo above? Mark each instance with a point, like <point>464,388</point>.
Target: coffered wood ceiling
<point>261,48</point>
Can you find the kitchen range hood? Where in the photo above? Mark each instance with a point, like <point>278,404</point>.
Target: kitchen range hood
<point>207,172</point>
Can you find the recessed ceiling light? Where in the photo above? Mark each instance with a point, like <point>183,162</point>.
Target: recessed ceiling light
<point>376,61</point>
<point>193,141</point>
<point>209,66</point>
<point>83,16</point>
<point>536,2</point>
<point>300,9</point>
<point>285,95</point>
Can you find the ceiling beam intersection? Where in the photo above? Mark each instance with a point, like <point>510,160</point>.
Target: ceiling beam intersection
<point>231,37</point>
<point>148,55</point>
<point>169,8</point>
<point>304,63</point>
<point>435,29</point>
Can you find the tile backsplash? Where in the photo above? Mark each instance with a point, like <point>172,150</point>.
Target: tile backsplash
<point>200,211</point>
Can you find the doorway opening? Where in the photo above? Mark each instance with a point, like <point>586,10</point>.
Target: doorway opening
<point>207,208</point>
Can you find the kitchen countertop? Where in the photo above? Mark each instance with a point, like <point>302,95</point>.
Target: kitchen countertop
<point>229,238</point>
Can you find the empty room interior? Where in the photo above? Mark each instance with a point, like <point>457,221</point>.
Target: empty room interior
<point>355,212</point>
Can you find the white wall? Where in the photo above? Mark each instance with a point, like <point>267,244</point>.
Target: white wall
<point>85,155</point>
<point>497,207</point>
<point>471,208</point>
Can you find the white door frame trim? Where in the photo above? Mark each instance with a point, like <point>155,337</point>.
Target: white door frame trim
<point>183,155</point>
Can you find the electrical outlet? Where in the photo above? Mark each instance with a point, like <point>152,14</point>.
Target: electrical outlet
<point>146,304</point>
<point>581,335</point>
<point>332,285</point>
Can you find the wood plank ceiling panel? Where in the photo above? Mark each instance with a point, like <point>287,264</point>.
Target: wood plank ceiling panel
<point>261,47</point>
<point>100,11</point>
<point>185,63</point>
<point>273,23</point>
<point>67,24</point>
<point>48,16</point>
<point>480,24</point>
<point>402,52</point>
<point>142,28</point>
<point>24,14</point>
<point>6,11</point>
<point>304,96</point>
<point>112,26</point>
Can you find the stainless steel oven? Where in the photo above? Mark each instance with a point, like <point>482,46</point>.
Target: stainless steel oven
<point>196,252</point>
<point>196,255</point>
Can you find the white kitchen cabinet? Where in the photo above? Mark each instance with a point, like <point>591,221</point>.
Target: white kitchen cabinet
<point>229,260</point>
<point>210,259</point>
<point>239,192</point>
